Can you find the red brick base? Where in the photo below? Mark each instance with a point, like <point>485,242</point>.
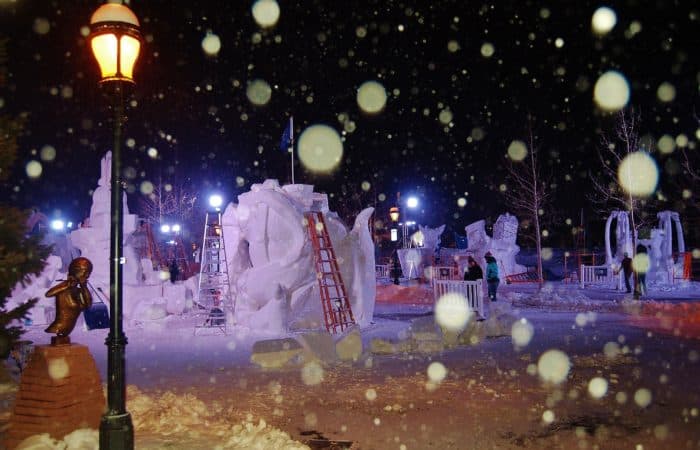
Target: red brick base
<point>60,391</point>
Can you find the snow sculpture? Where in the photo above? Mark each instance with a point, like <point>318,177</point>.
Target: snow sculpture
<point>429,238</point>
<point>623,238</point>
<point>271,260</point>
<point>660,248</point>
<point>92,239</point>
<point>502,245</point>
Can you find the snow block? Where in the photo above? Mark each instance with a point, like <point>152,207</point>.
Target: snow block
<point>349,347</point>
<point>320,345</point>
<point>276,353</point>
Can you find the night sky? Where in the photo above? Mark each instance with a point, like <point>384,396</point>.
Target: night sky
<point>452,108</point>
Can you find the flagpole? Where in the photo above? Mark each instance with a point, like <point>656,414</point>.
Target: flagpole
<point>291,135</point>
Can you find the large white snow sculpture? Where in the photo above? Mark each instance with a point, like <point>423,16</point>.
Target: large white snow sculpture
<point>271,261</point>
<point>427,237</point>
<point>92,238</point>
<point>659,246</point>
<point>623,237</point>
<point>502,245</point>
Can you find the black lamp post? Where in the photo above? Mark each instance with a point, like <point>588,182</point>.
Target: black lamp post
<point>115,41</point>
<point>396,267</point>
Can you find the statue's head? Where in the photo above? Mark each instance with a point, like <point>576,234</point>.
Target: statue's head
<point>80,268</point>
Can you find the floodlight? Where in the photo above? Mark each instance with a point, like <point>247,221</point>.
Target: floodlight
<point>412,202</point>
<point>215,201</point>
<point>57,225</point>
<point>175,228</point>
<point>165,228</point>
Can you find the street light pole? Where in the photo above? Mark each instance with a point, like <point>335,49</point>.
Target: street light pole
<point>115,40</point>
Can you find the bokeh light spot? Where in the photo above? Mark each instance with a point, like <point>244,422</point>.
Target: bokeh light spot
<point>522,332</point>
<point>211,44</point>
<point>638,174</point>
<point>553,366</point>
<point>320,148</point>
<point>597,387</point>
<point>611,91</point>
<point>517,150</point>
<point>266,12</point>
<point>258,92</point>
<point>33,169</point>
<point>48,153</point>
<point>603,20</point>
<point>452,312</point>
<point>371,97</point>
<point>437,372</point>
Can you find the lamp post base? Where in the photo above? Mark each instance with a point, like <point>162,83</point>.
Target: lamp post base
<point>117,432</point>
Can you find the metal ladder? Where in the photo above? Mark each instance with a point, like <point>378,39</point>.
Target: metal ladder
<point>334,298</point>
<point>214,297</point>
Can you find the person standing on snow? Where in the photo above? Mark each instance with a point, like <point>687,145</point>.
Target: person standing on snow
<point>492,279</point>
<point>474,271</point>
<point>626,267</point>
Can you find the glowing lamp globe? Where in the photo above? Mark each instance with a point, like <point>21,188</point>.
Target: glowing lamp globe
<point>115,40</point>
<point>394,214</point>
<point>412,202</point>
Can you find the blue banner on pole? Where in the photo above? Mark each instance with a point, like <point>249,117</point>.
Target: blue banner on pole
<point>286,137</point>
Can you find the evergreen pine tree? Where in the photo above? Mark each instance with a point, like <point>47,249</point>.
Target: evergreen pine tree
<point>20,255</point>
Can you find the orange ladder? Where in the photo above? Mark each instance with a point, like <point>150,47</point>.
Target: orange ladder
<point>334,298</point>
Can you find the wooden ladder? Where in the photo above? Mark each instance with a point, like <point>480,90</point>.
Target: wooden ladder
<point>334,298</point>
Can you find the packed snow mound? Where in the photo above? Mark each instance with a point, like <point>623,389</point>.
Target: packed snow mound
<point>171,413</point>
<point>562,298</point>
<point>82,439</point>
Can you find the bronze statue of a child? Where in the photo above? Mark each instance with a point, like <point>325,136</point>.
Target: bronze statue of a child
<point>72,297</point>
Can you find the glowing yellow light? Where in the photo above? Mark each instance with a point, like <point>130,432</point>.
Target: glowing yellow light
<point>266,12</point>
<point>638,174</point>
<point>604,20</point>
<point>259,92</point>
<point>517,150</point>
<point>452,312</point>
<point>320,148</point>
<point>104,47</point>
<point>33,169</point>
<point>211,44</point>
<point>641,263</point>
<point>553,366</point>
<point>487,50</point>
<point>371,97</point>
<point>611,91</point>
<point>666,92</point>
<point>129,53</point>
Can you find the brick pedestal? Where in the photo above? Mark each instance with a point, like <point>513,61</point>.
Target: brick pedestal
<point>60,391</point>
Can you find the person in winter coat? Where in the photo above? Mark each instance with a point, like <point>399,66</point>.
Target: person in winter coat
<point>492,279</point>
<point>474,271</point>
<point>626,267</point>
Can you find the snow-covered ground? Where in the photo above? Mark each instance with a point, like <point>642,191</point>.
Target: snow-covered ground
<point>631,383</point>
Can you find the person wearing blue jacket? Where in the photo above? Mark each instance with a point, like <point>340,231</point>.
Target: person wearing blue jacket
<point>492,279</point>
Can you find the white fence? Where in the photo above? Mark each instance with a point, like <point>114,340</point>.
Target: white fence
<point>444,273</point>
<point>381,271</point>
<point>472,291</point>
<point>600,276</point>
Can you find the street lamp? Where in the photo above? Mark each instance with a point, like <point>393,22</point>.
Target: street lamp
<point>396,268</point>
<point>115,41</point>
